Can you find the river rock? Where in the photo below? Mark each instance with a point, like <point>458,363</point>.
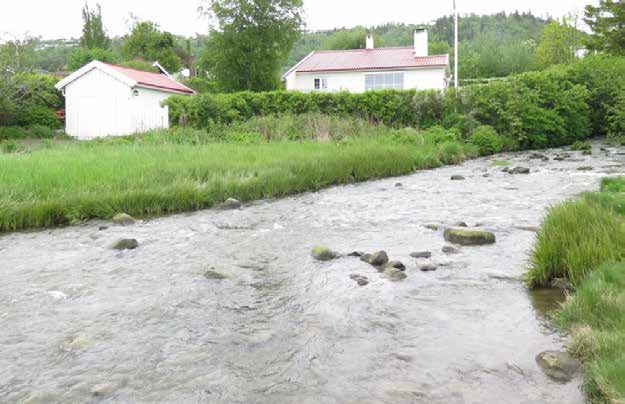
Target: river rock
<point>428,268</point>
<point>231,203</point>
<point>124,219</point>
<point>559,366</point>
<point>396,264</point>
<point>102,390</point>
<point>433,227</point>
<point>421,254</point>
<point>587,153</point>
<point>394,274</point>
<point>457,178</point>
<point>322,253</point>
<point>125,244</point>
<point>561,283</point>
<point>399,185</point>
<point>461,224</point>
<point>538,156</point>
<point>378,259</point>
<point>214,275</point>
<point>359,279</point>
<point>505,170</point>
<point>520,170</point>
<point>450,250</point>
<point>356,254</point>
<point>469,237</point>
<point>102,228</point>
<point>585,168</point>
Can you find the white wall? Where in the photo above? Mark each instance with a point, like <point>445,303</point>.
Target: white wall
<point>97,105</point>
<point>354,82</point>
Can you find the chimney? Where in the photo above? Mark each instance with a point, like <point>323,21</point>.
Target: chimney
<point>369,41</point>
<point>421,42</point>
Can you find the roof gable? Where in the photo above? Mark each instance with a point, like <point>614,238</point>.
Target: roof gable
<point>130,77</point>
<point>368,59</point>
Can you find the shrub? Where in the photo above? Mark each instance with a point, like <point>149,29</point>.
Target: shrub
<point>616,116</point>
<point>82,56</point>
<point>581,146</point>
<point>13,132</point>
<point>438,135</point>
<point>29,98</point>
<point>487,140</point>
<point>201,85</point>
<point>406,136</point>
<point>11,146</point>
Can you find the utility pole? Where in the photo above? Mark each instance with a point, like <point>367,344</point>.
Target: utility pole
<point>456,47</point>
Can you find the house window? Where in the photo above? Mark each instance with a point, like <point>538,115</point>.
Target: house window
<point>381,81</point>
<point>321,84</point>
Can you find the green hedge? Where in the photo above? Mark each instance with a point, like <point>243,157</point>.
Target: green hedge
<point>29,99</point>
<point>532,110</point>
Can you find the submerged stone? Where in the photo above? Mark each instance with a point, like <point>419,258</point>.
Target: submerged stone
<point>428,268</point>
<point>433,227</point>
<point>378,259</point>
<point>561,283</point>
<point>520,170</point>
<point>322,253</point>
<point>585,168</point>
<point>103,389</point>
<point>461,224</point>
<point>457,178</point>
<point>231,203</point>
<point>214,275</point>
<point>421,254</point>
<point>360,280</point>
<point>126,244</point>
<point>469,237</point>
<point>450,250</point>
<point>394,274</point>
<point>559,366</point>
<point>123,219</point>
<point>396,264</point>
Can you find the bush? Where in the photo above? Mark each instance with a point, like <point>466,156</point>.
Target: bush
<point>581,146</point>
<point>439,135</point>
<point>487,140</point>
<point>13,132</point>
<point>83,56</point>
<point>201,85</point>
<point>616,116</point>
<point>28,99</point>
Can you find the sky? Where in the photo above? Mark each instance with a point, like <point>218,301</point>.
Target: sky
<point>62,19</point>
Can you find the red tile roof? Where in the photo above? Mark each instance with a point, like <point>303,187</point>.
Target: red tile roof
<point>369,59</point>
<point>154,80</point>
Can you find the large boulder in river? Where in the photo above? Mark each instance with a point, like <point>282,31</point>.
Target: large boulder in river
<point>323,253</point>
<point>126,244</point>
<point>469,237</point>
<point>123,219</point>
<point>559,366</point>
<point>378,259</point>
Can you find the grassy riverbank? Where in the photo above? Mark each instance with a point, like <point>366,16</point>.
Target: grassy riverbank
<point>155,175</point>
<point>583,240</point>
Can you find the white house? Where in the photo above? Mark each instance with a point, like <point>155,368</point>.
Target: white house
<point>102,99</point>
<point>360,70</point>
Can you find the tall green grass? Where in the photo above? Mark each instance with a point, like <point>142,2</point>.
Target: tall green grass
<point>584,241</point>
<point>80,181</point>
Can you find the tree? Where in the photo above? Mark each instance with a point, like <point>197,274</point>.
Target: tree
<point>18,55</point>
<point>607,22</point>
<point>93,32</point>
<point>146,42</point>
<point>253,39</point>
<point>82,56</point>
<point>351,39</point>
<point>557,45</point>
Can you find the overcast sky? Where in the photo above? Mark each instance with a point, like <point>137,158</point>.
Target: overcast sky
<point>62,19</point>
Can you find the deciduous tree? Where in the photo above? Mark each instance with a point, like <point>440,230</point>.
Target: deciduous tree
<point>93,32</point>
<point>607,22</point>
<point>147,42</point>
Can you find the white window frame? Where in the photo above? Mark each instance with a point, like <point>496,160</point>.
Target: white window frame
<point>386,81</point>
<point>320,83</point>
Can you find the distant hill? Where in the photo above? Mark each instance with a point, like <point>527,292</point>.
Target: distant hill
<point>491,45</point>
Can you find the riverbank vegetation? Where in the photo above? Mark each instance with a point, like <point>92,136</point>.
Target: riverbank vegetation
<point>185,170</point>
<point>582,241</point>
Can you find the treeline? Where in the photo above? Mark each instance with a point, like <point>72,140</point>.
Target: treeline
<point>554,107</point>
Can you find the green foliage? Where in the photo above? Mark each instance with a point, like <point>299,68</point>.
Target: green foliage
<point>9,146</point>
<point>487,140</point>
<point>351,39</point>
<point>557,45</point>
<point>581,146</point>
<point>439,135</point>
<point>254,39</point>
<point>18,56</point>
<point>201,85</point>
<point>244,137</point>
<point>83,56</point>
<point>141,65</point>
<point>19,132</point>
<point>579,236</point>
<point>616,116</point>
<point>27,99</point>
<point>93,32</point>
<point>147,42</point>
<point>607,22</point>
<point>155,174</point>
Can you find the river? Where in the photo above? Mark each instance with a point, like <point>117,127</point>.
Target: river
<point>80,322</point>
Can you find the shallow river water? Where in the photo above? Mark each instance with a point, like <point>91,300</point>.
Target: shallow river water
<point>80,322</point>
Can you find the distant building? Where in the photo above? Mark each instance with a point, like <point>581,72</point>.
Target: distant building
<point>361,70</point>
<point>102,99</point>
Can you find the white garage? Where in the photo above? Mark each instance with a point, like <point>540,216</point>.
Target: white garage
<point>102,99</point>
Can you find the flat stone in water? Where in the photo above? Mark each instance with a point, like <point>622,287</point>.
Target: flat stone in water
<point>469,237</point>
<point>428,268</point>
<point>359,279</point>
<point>457,178</point>
<point>422,254</point>
<point>214,275</point>
<point>450,250</point>
<point>126,244</point>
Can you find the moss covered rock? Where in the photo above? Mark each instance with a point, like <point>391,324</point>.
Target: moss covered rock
<point>126,244</point>
<point>123,219</point>
<point>323,253</point>
<point>469,237</point>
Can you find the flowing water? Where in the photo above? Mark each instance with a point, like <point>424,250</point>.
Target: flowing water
<point>80,322</point>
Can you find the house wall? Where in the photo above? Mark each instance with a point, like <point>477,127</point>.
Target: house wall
<point>420,79</point>
<point>98,105</point>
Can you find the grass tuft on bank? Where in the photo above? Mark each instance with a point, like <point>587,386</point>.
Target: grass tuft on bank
<point>74,182</point>
<point>582,240</point>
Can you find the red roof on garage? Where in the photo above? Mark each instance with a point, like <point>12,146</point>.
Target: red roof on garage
<point>155,80</point>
